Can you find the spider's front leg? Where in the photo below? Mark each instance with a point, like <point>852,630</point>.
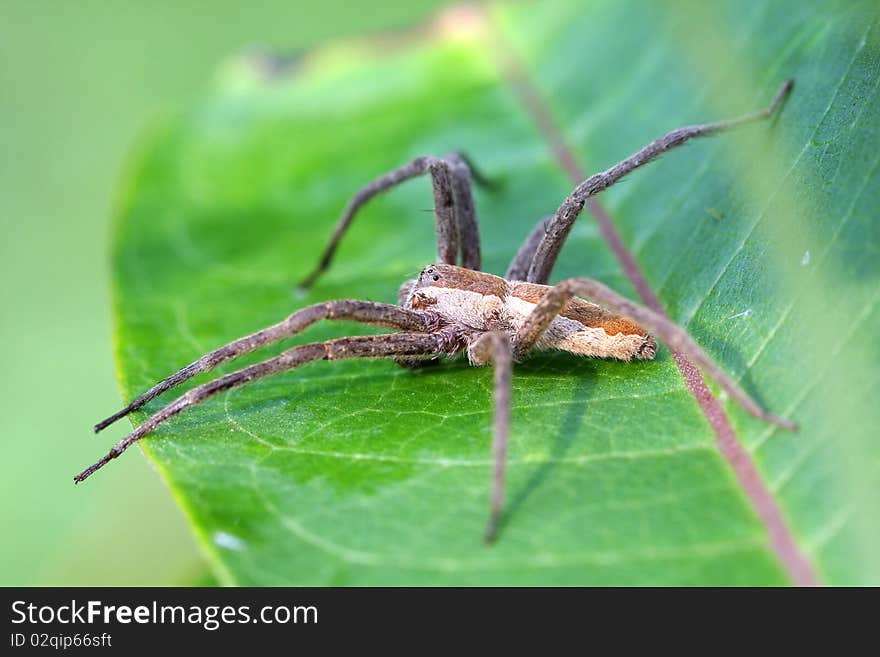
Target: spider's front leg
<point>555,299</point>
<point>454,212</point>
<point>367,312</point>
<point>444,340</point>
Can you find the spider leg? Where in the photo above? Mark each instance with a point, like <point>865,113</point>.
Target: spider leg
<point>367,312</point>
<point>371,346</point>
<point>456,222</point>
<point>673,335</point>
<point>522,261</point>
<point>480,177</point>
<point>549,247</point>
<point>465,212</point>
<point>495,347</point>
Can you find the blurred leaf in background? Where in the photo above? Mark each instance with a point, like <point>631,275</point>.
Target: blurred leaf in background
<point>763,243</point>
<point>79,81</point>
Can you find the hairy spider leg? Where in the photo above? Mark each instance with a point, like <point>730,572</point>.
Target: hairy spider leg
<point>367,312</point>
<point>494,347</point>
<point>456,219</point>
<point>372,346</point>
<point>674,336</point>
<point>518,270</point>
<point>556,231</point>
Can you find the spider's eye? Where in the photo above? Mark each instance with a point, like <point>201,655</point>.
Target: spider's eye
<point>435,277</point>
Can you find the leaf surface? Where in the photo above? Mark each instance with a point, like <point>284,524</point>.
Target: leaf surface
<point>764,243</point>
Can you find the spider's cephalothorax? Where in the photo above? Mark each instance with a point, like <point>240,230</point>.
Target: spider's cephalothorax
<point>452,308</point>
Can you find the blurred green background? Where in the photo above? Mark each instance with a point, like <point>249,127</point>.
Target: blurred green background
<point>79,81</point>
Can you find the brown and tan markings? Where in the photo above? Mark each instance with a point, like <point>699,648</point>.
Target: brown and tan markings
<point>453,307</point>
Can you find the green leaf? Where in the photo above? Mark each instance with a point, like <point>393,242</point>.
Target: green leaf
<point>763,242</point>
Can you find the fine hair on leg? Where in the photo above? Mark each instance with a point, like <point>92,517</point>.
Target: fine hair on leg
<point>547,250</point>
<point>366,312</point>
<point>674,336</point>
<point>454,212</point>
<point>371,346</point>
<point>494,347</point>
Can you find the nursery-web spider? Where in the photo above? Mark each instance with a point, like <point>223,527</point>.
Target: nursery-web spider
<point>453,307</point>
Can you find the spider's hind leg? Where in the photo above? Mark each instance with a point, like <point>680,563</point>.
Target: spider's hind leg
<point>676,338</point>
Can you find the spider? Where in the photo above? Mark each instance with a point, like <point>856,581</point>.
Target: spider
<point>453,307</point>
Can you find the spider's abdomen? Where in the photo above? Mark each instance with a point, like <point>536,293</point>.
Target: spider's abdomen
<point>490,303</point>
<point>582,327</point>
